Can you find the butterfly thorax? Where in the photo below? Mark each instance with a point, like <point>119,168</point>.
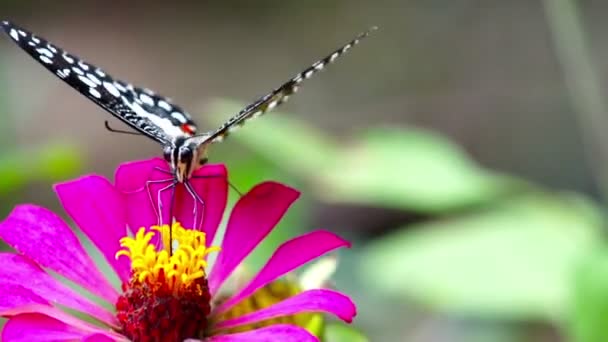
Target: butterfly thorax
<point>185,155</point>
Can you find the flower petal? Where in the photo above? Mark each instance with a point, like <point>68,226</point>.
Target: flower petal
<point>99,210</point>
<point>43,323</point>
<point>253,217</point>
<point>19,270</point>
<point>43,236</point>
<point>98,338</point>
<point>131,179</point>
<point>319,300</point>
<point>15,295</point>
<point>286,258</point>
<point>212,187</point>
<point>273,333</point>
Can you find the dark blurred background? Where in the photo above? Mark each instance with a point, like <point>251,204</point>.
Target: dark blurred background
<point>484,74</point>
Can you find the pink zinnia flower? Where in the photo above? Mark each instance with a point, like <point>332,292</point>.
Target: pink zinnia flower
<point>163,297</point>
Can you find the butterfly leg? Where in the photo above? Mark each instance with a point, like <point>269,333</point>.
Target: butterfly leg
<point>149,192</point>
<point>167,172</point>
<point>158,208</point>
<point>196,199</point>
<point>221,176</point>
<point>160,202</point>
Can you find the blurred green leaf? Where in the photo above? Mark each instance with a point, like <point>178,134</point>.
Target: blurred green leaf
<point>339,332</point>
<point>590,303</point>
<point>48,163</point>
<point>404,169</point>
<point>411,169</point>
<point>514,260</point>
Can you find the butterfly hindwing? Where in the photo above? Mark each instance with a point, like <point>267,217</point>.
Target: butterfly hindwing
<point>281,94</point>
<point>146,112</point>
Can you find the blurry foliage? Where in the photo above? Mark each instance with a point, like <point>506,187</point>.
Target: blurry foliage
<point>498,247</point>
<point>335,332</point>
<point>43,164</point>
<point>590,302</point>
<point>514,260</point>
<point>404,169</point>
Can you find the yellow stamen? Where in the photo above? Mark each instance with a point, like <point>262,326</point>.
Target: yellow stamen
<point>178,269</point>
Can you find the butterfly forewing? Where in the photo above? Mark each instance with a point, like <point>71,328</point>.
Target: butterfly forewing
<point>280,94</point>
<point>148,113</point>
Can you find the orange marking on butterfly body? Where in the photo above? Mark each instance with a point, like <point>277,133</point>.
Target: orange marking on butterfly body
<point>187,129</point>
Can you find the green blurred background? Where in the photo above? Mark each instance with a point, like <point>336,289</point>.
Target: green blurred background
<point>461,148</point>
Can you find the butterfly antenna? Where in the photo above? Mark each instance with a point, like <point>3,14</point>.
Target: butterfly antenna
<point>171,205</point>
<point>233,187</point>
<point>114,130</point>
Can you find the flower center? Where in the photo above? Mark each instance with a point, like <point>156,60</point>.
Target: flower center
<point>167,298</point>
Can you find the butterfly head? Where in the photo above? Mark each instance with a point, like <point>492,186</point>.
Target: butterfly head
<point>185,156</point>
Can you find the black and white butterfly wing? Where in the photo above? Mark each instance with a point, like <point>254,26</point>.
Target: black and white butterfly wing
<point>279,95</point>
<point>146,112</point>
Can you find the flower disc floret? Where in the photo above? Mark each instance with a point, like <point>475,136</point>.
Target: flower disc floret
<point>167,297</point>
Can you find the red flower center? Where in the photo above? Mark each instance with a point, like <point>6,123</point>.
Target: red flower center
<point>152,312</point>
<point>167,298</point>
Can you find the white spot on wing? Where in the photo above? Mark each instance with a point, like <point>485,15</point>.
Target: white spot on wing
<point>22,33</point>
<point>111,88</point>
<point>83,65</point>
<point>179,117</point>
<point>78,71</point>
<point>95,92</point>
<point>43,51</point>
<point>51,47</point>
<point>272,104</point>
<point>100,72</point>
<point>87,81</point>
<point>146,99</point>
<point>120,87</point>
<point>164,105</point>
<point>68,58</point>
<point>14,34</point>
<point>46,60</point>
<point>93,78</point>
<point>35,40</point>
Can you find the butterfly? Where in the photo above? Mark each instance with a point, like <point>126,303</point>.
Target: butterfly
<point>151,114</point>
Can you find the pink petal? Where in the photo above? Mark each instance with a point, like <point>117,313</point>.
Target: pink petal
<point>15,295</point>
<point>49,324</point>
<point>98,338</point>
<point>273,333</point>
<point>131,180</point>
<point>141,182</point>
<point>308,301</point>
<point>286,258</point>
<point>19,270</point>
<point>43,236</point>
<point>253,217</point>
<point>99,210</point>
